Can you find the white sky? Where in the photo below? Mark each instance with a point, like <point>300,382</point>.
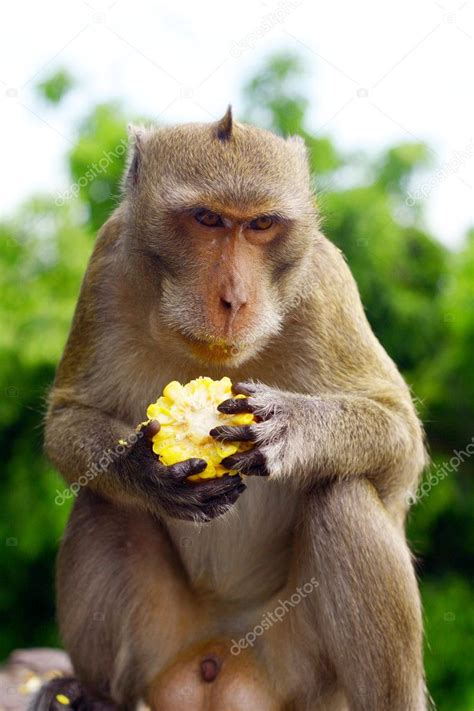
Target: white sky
<point>380,72</point>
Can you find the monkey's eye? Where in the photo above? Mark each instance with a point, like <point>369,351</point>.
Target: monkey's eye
<point>208,218</point>
<point>261,223</point>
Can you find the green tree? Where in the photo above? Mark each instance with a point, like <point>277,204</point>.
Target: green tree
<point>54,88</point>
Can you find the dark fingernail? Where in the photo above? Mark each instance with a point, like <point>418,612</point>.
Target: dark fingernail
<point>234,433</point>
<point>244,388</point>
<point>151,429</point>
<point>229,462</point>
<point>227,407</point>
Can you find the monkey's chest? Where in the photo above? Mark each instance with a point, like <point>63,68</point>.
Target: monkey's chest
<point>246,553</point>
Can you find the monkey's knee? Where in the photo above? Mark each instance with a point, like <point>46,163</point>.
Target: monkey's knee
<point>346,528</point>
<point>366,605</point>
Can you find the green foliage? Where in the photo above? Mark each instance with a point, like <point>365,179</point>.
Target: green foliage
<point>397,165</point>
<point>419,298</point>
<point>54,88</point>
<point>398,269</point>
<point>41,267</point>
<point>448,382</point>
<point>449,632</point>
<point>275,99</point>
<point>97,162</point>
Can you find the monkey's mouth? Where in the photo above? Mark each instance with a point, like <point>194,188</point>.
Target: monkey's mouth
<point>214,349</point>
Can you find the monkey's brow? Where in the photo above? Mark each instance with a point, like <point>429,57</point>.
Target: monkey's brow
<point>236,213</point>
<point>185,198</point>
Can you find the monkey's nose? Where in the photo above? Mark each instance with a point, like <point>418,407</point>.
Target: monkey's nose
<point>232,305</point>
<point>232,296</point>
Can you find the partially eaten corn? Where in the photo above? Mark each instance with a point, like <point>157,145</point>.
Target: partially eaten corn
<point>186,414</point>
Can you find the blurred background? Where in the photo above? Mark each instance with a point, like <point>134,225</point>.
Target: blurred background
<point>380,93</point>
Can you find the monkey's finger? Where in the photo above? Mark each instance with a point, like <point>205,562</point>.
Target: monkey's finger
<point>227,433</point>
<point>225,497</point>
<point>181,470</point>
<point>244,388</point>
<point>222,504</point>
<point>236,405</point>
<point>230,492</point>
<point>196,500</point>
<point>214,488</point>
<point>150,429</point>
<point>252,463</point>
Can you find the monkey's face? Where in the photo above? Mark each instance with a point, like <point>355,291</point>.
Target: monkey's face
<point>224,228</point>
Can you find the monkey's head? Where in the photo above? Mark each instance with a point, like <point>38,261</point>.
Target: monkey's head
<point>220,220</point>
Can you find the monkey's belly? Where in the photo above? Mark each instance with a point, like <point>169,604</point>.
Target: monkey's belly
<point>244,554</point>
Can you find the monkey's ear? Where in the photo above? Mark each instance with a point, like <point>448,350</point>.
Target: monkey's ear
<point>137,138</point>
<point>298,145</point>
<point>223,127</point>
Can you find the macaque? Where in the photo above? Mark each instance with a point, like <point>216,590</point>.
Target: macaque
<point>288,587</point>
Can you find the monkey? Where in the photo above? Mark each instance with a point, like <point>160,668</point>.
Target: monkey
<point>289,586</point>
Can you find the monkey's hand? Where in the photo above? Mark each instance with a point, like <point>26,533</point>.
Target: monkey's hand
<point>274,412</point>
<point>166,489</point>
<point>333,435</point>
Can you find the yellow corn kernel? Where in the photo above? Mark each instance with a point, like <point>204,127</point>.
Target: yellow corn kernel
<point>63,699</point>
<point>186,414</point>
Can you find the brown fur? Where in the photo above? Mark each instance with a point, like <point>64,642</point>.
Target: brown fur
<point>164,299</point>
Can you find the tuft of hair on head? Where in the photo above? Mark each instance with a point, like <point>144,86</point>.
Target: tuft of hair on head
<point>223,127</point>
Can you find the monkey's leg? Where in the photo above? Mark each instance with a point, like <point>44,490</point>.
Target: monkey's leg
<point>123,602</point>
<point>365,608</point>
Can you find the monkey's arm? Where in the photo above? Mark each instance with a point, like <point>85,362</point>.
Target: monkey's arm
<point>91,447</point>
<point>94,450</point>
<point>360,420</point>
<point>336,435</point>
<point>86,445</point>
